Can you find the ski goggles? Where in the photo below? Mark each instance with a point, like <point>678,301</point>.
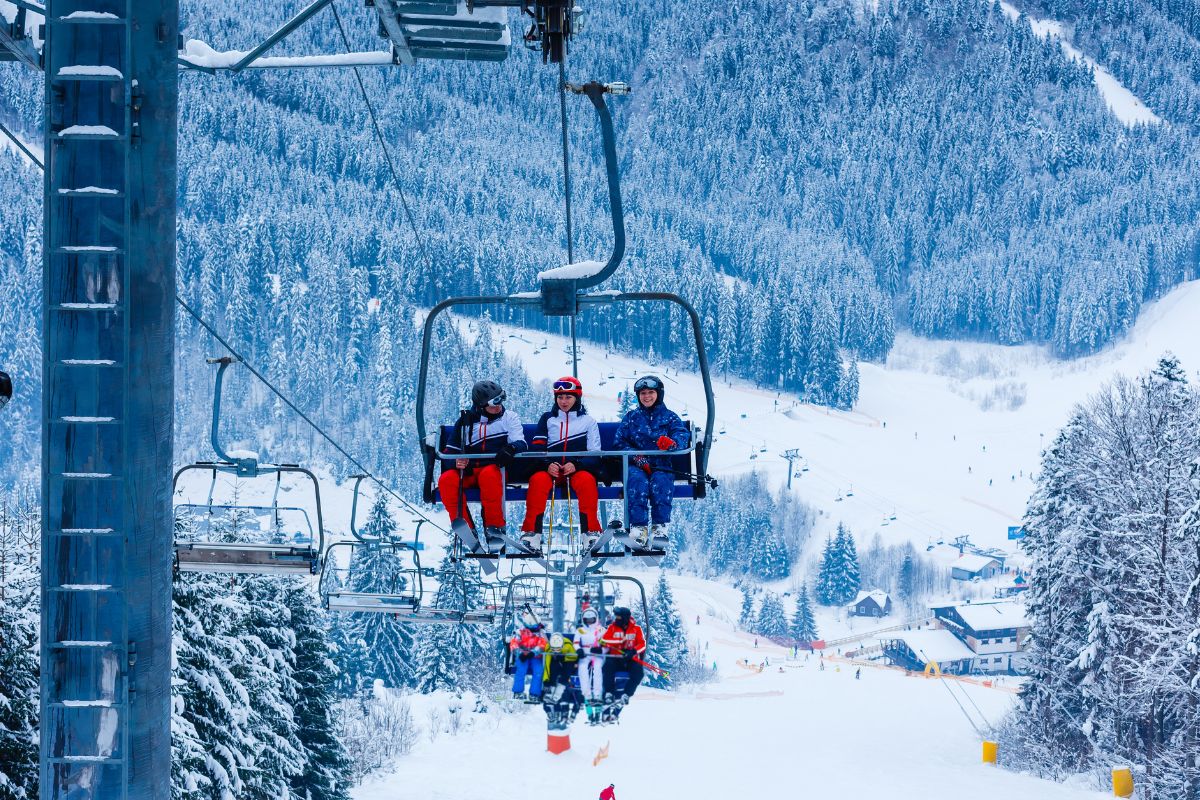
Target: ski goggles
<point>498,399</point>
<point>648,383</point>
<point>565,386</point>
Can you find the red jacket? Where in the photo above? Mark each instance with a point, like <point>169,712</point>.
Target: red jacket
<point>527,640</point>
<point>608,794</point>
<point>630,638</point>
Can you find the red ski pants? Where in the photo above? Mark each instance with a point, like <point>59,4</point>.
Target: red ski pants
<point>491,494</point>
<point>583,486</point>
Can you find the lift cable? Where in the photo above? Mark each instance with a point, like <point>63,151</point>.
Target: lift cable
<point>387,153</point>
<point>21,146</point>
<point>287,401</point>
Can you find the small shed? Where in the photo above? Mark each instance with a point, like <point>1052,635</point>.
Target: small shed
<point>875,603</point>
<point>968,567</point>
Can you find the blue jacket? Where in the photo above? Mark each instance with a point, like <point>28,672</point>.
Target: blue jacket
<point>641,428</point>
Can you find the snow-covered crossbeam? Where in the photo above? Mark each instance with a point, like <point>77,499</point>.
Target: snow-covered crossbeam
<point>198,54</point>
<point>576,271</point>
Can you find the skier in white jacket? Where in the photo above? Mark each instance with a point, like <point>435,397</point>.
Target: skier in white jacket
<point>591,661</point>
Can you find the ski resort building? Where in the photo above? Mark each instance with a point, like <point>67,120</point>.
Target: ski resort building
<point>875,603</point>
<point>969,567</point>
<point>922,649</point>
<point>997,633</point>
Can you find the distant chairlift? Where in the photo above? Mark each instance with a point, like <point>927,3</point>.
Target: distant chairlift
<point>239,538</point>
<point>375,575</point>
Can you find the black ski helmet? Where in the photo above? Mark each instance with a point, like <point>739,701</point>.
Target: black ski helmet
<point>487,393</point>
<point>621,612</point>
<point>650,382</point>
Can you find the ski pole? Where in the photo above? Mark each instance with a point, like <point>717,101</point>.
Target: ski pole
<point>651,667</point>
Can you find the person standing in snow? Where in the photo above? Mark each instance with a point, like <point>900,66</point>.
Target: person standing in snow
<point>650,426</point>
<point>486,427</point>
<point>609,793</point>
<point>626,644</point>
<point>591,660</point>
<point>527,648</point>
<point>562,430</point>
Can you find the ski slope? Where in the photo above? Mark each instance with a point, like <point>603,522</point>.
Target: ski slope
<point>919,444</point>
<point>789,731</point>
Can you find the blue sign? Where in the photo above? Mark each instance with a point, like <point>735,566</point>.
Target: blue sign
<point>1016,532</point>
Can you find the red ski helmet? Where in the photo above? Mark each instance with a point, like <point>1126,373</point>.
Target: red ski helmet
<point>568,385</point>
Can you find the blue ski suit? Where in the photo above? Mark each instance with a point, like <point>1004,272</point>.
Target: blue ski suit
<point>640,430</point>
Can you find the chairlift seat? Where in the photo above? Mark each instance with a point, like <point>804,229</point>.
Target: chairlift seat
<point>445,30</point>
<point>250,558</point>
<point>370,602</point>
<point>610,485</point>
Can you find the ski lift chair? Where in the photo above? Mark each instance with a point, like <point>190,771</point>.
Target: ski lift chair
<point>562,294</point>
<point>276,548</point>
<point>344,588</point>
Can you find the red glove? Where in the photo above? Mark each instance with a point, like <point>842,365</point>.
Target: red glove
<point>665,443</point>
<point>644,465</point>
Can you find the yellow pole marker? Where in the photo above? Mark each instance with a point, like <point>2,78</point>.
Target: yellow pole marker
<point>1122,779</point>
<point>991,751</point>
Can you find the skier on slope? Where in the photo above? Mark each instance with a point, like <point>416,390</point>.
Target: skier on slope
<point>486,427</point>
<point>527,648</point>
<point>609,793</point>
<point>650,426</point>
<point>591,661</point>
<point>562,430</point>
<point>626,644</point>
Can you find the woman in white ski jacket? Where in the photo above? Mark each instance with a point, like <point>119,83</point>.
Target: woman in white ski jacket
<point>591,656</point>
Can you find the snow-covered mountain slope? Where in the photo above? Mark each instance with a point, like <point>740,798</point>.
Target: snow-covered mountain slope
<point>791,730</point>
<point>1124,104</point>
<point>933,440</point>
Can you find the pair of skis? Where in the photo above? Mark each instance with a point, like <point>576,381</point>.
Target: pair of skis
<point>615,534</point>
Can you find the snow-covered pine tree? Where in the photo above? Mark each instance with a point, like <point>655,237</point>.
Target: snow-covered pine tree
<point>828,590</point>
<point>746,618</point>
<point>906,581</point>
<point>19,665</point>
<point>804,623</point>
<point>772,621</point>
<point>454,657</point>
<point>269,677</point>
<point>376,646</point>
<point>1113,511</point>
<point>667,643</point>
<point>769,557</point>
<point>327,769</point>
<point>215,703</point>
<point>848,580</point>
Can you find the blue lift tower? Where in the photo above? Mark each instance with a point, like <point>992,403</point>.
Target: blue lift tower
<point>109,298</point>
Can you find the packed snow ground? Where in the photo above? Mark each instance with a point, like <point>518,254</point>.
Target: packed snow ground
<point>790,731</point>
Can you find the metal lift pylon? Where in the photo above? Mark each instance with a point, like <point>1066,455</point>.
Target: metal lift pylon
<point>108,338</point>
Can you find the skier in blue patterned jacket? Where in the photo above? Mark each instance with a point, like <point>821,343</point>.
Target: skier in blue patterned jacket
<point>650,426</point>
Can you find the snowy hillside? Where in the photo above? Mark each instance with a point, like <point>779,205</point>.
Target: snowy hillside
<point>789,731</point>
<point>933,439</point>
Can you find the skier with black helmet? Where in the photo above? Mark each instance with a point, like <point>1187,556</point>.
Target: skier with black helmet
<point>561,431</point>
<point>486,427</point>
<point>650,426</point>
<point>626,643</point>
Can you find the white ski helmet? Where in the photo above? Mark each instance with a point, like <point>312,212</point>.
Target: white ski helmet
<point>590,617</point>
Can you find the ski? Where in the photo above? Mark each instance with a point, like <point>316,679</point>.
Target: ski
<point>466,535</point>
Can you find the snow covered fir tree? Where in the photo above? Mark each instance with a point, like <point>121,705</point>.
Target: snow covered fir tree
<point>937,252</point>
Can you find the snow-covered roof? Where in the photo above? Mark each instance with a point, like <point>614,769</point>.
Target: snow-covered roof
<point>878,595</point>
<point>994,616</point>
<point>936,644</point>
<point>974,563</point>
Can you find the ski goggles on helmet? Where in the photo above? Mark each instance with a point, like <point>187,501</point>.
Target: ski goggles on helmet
<point>568,386</point>
<point>648,382</point>
<point>498,399</point>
